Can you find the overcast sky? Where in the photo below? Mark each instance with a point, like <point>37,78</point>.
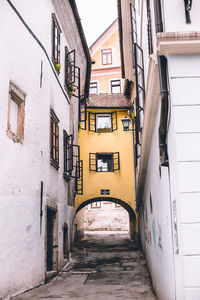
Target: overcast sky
<point>96,16</point>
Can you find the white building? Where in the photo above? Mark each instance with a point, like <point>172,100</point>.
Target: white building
<point>42,45</point>
<point>167,35</point>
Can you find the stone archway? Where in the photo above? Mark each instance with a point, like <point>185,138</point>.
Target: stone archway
<point>132,216</point>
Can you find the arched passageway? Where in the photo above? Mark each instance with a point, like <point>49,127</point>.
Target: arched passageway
<point>132,216</point>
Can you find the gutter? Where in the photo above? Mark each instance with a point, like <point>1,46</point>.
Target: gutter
<point>85,46</point>
<point>121,37</point>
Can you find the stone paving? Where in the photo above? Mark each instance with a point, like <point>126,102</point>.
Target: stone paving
<point>102,267</point>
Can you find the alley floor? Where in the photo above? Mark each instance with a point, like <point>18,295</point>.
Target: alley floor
<point>102,267</point>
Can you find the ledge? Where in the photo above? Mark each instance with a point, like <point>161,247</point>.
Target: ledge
<point>178,42</point>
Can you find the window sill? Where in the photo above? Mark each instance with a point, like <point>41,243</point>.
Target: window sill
<point>103,130</point>
<point>54,164</point>
<point>14,137</point>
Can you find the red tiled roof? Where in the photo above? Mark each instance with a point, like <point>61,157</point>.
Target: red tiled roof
<point>109,100</point>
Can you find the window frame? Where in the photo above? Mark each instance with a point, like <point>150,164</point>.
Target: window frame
<point>93,205</point>
<point>56,41</point>
<point>106,55</point>
<point>54,140</point>
<point>95,87</point>
<point>92,120</point>
<point>113,84</point>
<point>18,97</point>
<point>93,157</point>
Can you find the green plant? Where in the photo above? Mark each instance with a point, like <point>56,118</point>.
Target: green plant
<point>58,67</point>
<point>71,86</point>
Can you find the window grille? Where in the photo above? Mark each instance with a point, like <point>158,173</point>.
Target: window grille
<point>54,140</point>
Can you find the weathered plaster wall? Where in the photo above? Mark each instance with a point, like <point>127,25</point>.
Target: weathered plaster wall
<point>108,217</point>
<point>24,166</point>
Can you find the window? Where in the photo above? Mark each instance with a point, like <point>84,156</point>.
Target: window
<point>103,122</point>
<point>149,31</point>
<point>133,31</point>
<point>115,86</point>
<point>54,140</point>
<point>71,157</point>
<point>93,88</point>
<point>56,31</point>
<point>133,24</point>
<point>72,74</point>
<point>104,162</point>
<point>106,56</point>
<point>96,204</point>
<point>15,126</point>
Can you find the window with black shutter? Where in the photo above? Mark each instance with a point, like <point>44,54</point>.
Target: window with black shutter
<point>149,30</point>
<point>79,180</point>
<point>82,115</point>
<point>102,122</point>
<point>54,140</point>
<point>133,30</point>
<point>72,74</point>
<point>104,162</point>
<point>56,31</point>
<point>71,157</point>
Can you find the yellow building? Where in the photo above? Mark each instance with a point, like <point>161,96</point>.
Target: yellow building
<point>105,149</point>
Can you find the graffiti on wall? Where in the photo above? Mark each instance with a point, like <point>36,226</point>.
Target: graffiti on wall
<point>157,236</point>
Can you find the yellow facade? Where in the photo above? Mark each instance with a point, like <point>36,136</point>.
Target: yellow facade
<point>121,182</point>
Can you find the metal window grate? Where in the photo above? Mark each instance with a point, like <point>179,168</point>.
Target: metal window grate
<point>105,192</point>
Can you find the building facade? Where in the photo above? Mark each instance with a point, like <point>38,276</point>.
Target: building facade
<point>105,159</point>
<point>45,66</point>
<point>166,56</point>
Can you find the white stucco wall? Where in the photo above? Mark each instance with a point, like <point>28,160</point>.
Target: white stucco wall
<point>174,221</point>
<point>184,89</point>
<point>24,166</point>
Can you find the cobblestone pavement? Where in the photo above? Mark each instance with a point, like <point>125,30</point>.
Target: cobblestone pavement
<point>103,267</point>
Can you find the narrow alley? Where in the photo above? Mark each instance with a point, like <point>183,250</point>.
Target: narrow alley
<point>102,266</point>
